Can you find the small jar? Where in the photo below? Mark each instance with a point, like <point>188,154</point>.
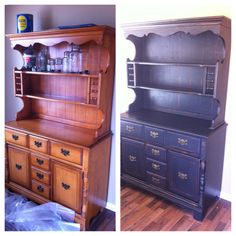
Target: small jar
<point>65,62</point>
<point>58,64</point>
<point>48,65</point>
<point>52,65</point>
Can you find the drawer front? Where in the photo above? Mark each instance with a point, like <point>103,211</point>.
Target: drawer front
<point>41,176</point>
<point>156,167</point>
<point>154,135</point>
<point>156,180</point>
<point>132,129</point>
<point>183,175</point>
<point>67,152</point>
<point>133,158</point>
<point>16,137</point>
<point>67,186</point>
<point>40,161</point>
<point>18,161</point>
<point>156,153</point>
<point>184,142</point>
<point>41,189</point>
<point>38,144</point>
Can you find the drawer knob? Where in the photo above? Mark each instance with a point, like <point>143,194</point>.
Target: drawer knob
<point>132,158</point>
<point>182,176</point>
<point>156,166</point>
<point>154,134</point>
<point>65,152</point>
<point>129,128</point>
<point>39,161</point>
<point>155,180</point>
<point>183,142</point>
<point>37,144</point>
<point>18,167</point>
<point>65,186</point>
<point>40,188</point>
<point>155,152</point>
<point>15,137</point>
<point>40,176</point>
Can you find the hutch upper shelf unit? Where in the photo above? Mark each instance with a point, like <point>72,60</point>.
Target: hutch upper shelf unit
<point>58,148</point>
<point>173,134</point>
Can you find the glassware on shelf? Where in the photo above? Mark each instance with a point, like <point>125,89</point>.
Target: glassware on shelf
<point>76,59</point>
<point>52,64</point>
<point>65,62</point>
<point>29,58</point>
<point>42,60</point>
<point>48,65</point>
<point>58,64</point>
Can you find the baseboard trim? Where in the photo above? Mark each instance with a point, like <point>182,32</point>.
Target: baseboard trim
<point>226,196</point>
<point>111,206</point>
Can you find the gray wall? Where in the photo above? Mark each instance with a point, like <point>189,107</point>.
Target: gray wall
<point>47,17</point>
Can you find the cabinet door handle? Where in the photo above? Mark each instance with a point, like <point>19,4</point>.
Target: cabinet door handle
<point>65,152</point>
<point>156,166</point>
<point>155,152</point>
<point>39,161</point>
<point>183,142</point>
<point>132,158</point>
<point>40,188</point>
<point>65,186</point>
<point>37,144</point>
<point>129,128</point>
<point>154,134</point>
<point>182,176</point>
<point>18,167</point>
<point>15,137</point>
<point>40,176</point>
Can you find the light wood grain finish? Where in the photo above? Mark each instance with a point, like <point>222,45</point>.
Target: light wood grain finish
<point>41,189</point>
<point>38,144</point>
<point>40,175</point>
<point>145,212</point>
<point>13,136</point>
<point>40,161</point>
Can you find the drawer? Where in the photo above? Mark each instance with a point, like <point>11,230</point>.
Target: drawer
<point>156,167</point>
<point>156,180</point>
<point>155,152</point>
<point>38,144</point>
<point>41,189</point>
<point>184,142</point>
<point>40,175</point>
<point>183,175</point>
<point>40,161</point>
<point>16,137</point>
<point>132,129</point>
<point>154,135</point>
<point>67,152</point>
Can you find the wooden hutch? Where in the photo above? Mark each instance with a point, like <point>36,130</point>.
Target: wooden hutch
<point>173,135</point>
<point>58,148</point>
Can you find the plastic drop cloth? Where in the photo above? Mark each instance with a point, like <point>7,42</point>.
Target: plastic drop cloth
<point>24,215</point>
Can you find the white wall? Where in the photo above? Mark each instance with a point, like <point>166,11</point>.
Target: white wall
<point>159,10</point>
<point>46,17</point>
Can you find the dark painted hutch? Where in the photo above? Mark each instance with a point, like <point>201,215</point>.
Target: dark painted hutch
<point>173,135</point>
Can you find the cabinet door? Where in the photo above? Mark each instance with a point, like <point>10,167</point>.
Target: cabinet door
<point>183,175</point>
<point>133,159</point>
<point>67,186</point>
<point>18,161</point>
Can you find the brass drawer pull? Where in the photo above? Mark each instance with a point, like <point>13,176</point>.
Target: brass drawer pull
<point>39,161</point>
<point>65,152</point>
<point>156,166</point>
<point>155,180</point>
<point>40,188</point>
<point>154,134</point>
<point>129,128</point>
<point>15,137</point>
<point>132,158</point>
<point>65,186</point>
<point>183,142</point>
<point>182,176</point>
<point>37,144</point>
<point>18,167</point>
<point>155,152</point>
<point>40,176</point>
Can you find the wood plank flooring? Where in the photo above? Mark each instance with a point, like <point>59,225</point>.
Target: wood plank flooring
<point>141,211</point>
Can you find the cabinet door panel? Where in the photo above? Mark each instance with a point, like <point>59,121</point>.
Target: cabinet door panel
<point>183,175</point>
<point>67,186</point>
<point>18,166</point>
<point>133,159</point>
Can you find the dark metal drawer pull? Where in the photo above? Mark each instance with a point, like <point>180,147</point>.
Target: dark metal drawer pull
<point>65,152</point>
<point>37,144</point>
<point>15,137</point>
<point>154,134</point>
<point>129,128</point>
<point>40,188</point>
<point>40,176</point>
<point>155,152</point>
<point>183,142</point>
<point>156,166</point>
<point>182,176</point>
<point>65,186</point>
<point>18,167</point>
<point>155,180</point>
<point>39,161</point>
<point>132,158</point>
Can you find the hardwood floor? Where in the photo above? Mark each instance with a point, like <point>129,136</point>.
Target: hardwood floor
<point>145,212</point>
